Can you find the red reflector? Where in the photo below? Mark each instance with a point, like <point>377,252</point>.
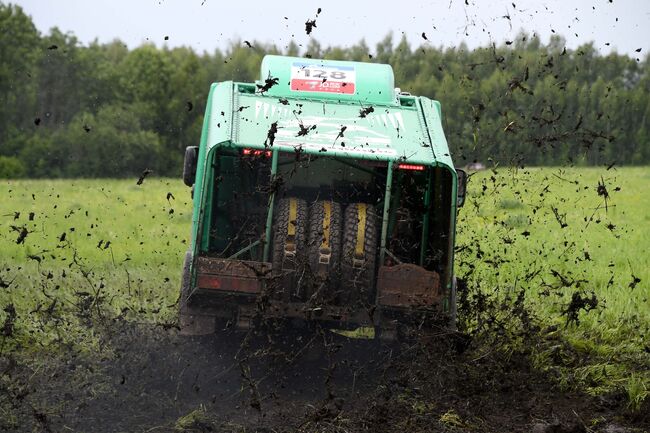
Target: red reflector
<point>266,153</point>
<point>411,167</point>
<point>209,282</point>
<point>228,283</point>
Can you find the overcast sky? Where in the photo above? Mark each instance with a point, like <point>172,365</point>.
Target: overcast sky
<point>208,24</point>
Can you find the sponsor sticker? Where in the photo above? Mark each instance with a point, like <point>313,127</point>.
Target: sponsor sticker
<point>307,77</point>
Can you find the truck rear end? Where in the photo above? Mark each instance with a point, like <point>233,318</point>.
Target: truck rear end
<point>321,193</point>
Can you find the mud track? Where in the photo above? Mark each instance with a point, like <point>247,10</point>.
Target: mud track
<point>157,381</point>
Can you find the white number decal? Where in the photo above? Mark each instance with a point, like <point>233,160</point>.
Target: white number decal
<point>319,73</point>
<point>323,78</point>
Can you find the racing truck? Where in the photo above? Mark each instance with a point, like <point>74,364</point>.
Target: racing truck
<point>321,193</point>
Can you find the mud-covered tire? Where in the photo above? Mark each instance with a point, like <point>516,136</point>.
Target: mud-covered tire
<point>358,275</point>
<point>192,321</point>
<point>289,268</point>
<point>322,231</point>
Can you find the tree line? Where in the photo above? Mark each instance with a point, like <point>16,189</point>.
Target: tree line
<point>102,110</point>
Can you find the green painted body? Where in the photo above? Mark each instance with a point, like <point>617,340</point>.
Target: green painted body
<point>400,128</point>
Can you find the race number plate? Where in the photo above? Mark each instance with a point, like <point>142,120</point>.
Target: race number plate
<point>319,78</point>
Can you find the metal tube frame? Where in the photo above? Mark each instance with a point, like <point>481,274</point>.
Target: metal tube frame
<point>269,215</point>
<point>425,218</point>
<point>384,223</point>
<point>245,249</point>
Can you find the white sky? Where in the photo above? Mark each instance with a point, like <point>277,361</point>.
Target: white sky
<point>208,24</point>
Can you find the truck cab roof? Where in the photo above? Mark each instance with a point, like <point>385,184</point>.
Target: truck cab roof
<point>333,108</point>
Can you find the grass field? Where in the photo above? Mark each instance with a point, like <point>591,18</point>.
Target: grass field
<point>121,254</point>
<point>72,250</point>
<point>581,262</point>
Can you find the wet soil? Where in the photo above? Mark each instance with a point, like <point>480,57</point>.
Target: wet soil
<point>151,379</point>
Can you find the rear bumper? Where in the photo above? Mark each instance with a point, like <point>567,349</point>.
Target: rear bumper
<point>236,276</point>
<point>242,290</point>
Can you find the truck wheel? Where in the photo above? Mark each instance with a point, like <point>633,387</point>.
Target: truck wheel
<point>192,321</point>
<point>358,254</point>
<point>324,250</point>
<point>289,239</point>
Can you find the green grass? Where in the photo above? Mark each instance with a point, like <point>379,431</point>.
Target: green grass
<point>509,239</point>
<point>57,286</point>
<point>510,216</point>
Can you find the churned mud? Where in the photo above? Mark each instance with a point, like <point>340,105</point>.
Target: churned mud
<point>151,379</point>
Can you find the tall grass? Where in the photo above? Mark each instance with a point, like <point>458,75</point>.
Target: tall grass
<point>551,233</point>
<point>121,254</point>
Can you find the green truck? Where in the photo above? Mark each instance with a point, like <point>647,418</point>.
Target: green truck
<point>321,193</point>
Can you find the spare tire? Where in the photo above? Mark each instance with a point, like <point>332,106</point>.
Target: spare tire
<point>289,240</point>
<point>324,251</point>
<point>358,255</point>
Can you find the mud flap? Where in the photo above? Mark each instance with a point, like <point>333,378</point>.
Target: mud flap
<point>408,286</point>
<point>191,321</point>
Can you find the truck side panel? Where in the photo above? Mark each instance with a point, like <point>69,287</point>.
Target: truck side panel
<point>433,117</point>
<point>213,133</point>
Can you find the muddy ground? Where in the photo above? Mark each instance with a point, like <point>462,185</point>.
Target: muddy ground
<point>151,379</point>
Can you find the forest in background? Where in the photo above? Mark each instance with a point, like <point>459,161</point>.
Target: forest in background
<point>102,110</point>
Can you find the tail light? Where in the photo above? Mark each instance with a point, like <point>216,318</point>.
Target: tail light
<point>257,152</point>
<point>410,167</point>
